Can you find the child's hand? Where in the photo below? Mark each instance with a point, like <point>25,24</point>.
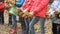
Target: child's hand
<point>7,6</point>
<point>56,12</point>
<point>48,15</point>
<point>20,14</point>
<point>6,11</point>
<point>31,13</point>
<point>24,16</point>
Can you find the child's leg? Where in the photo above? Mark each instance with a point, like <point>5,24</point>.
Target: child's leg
<point>58,32</point>
<point>31,25</point>
<point>10,19</point>
<point>54,28</point>
<point>42,22</point>
<point>6,17</point>
<point>25,25</point>
<point>22,23</point>
<point>1,17</point>
<point>27,21</point>
<point>14,25</point>
<point>14,21</point>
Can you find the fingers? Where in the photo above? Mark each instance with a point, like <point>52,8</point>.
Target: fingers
<point>56,12</point>
<point>24,16</point>
<point>27,15</point>
<point>48,15</point>
<point>31,13</point>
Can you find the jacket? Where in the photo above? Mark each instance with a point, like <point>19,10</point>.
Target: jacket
<point>19,3</point>
<point>40,7</point>
<point>27,5</point>
<point>2,4</point>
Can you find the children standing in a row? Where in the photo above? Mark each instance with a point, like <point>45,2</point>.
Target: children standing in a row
<point>31,5</point>
<point>38,8</point>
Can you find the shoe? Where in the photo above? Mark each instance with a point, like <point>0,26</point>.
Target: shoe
<point>23,32</point>
<point>13,31</point>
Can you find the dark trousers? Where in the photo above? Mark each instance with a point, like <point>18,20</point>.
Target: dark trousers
<point>10,19</point>
<point>56,28</point>
<point>22,23</point>
<point>25,24</point>
<point>1,17</point>
<point>27,21</point>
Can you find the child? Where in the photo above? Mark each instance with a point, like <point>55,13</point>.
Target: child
<point>13,14</point>
<point>2,4</point>
<point>56,24</point>
<point>19,3</point>
<point>54,6</point>
<point>26,8</point>
<point>6,12</point>
<point>39,9</point>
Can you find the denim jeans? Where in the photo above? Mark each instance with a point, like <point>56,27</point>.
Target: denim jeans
<point>34,21</point>
<point>27,21</point>
<point>14,24</point>
<point>25,24</point>
<point>21,20</point>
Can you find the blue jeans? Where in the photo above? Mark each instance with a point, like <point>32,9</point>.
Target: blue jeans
<point>14,24</point>
<point>27,21</point>
<point>33,22</point>
<point>22,21</point>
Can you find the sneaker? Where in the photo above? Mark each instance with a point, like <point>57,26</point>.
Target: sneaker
<point>14,30</point>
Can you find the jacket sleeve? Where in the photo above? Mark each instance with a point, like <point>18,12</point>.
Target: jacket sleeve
<point>54,6</point>
<point>40,6</point>
<point>20,3</point>
<point>26,5</point>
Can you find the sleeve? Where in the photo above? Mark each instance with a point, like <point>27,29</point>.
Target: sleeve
<point>25,5</point>
<point>19,3</point>
<point>41,5</point>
